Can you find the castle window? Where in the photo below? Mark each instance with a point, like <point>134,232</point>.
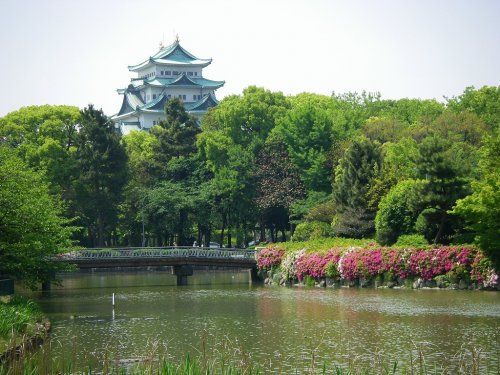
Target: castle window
<point>184,97</point>
<point>161,73</point>
<point>167,72</point>
<point>154,96</point>
<point>194,97</point>
<point>195,73</point>
<point>175,73</point>
<point>169,96</point>
<point>199,97</point>
<point>190,73</point>
<point>154,122</point>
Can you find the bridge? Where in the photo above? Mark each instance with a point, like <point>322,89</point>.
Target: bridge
<point>181,259</point>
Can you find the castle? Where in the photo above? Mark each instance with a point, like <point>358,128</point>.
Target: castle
<point>172,72</point>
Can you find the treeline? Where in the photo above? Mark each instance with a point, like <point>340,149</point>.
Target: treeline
<point>268,166</point>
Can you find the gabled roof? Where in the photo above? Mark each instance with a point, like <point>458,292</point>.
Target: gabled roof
<point>208,101</point>
<point>173,54</point>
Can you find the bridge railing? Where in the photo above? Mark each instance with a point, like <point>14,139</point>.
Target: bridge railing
<point>159,252</point>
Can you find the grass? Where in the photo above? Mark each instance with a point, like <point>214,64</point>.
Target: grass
<point>223,356</point>
<point>322,245</point>
<point>18,317</point>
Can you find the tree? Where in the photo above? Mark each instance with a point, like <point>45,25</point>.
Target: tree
<point>139,147</point>
<point>444,185</point>
<point>233,134</point>
<point>398,211</point>
<point>481,209</point>
<point>175,137</point>
<point>353,178</point>
<point>307,130</point>
<point>383,129</point>
<point>484,102</point>
<point>102,176</point>
<point>32,229</point>
<point>278,186</point>
<point>44,137</point>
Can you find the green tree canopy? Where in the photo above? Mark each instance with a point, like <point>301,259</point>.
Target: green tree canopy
<point>353,178</point>
<point>398,211</point>
<point>32,229</point>
<point>481,209</point>
<point>102,175</point>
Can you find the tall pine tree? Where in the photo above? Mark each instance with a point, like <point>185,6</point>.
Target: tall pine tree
<point>102,168</point>
<point>353,178</point>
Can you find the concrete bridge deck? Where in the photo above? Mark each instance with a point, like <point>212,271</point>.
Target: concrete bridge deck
<point>182,259</point>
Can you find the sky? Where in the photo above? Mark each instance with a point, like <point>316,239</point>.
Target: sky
<point>76,52</point>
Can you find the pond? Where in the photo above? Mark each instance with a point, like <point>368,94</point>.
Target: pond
<point>279,328</point>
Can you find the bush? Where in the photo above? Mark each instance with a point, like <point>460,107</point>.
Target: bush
<point>332,271</point>
<point>311,230</point>
<point>458,273</point>
<point>309,281</point>
<point>314,264</point>
<point>453,263</point>
<point>411,240</point>
<point>398,211</point>
<point>270,257</point>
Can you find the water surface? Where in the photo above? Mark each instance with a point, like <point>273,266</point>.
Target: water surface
<point>279,328</point>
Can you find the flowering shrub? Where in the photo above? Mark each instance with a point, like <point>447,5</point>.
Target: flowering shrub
<point>270,257</point>
<point>314,264</point>
<point>453,262</point>
<point>482,271</point>
<point>288,264</point>
<point>433,262</point>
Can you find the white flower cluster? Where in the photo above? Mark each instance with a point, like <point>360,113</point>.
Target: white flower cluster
<point>288,263</point>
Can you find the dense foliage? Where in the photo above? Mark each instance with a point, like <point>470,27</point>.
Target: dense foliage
<point>31,224</point>
<point>261,165</point>
<point>450,264</point>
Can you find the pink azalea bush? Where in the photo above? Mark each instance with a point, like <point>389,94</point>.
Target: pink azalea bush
<point>314,264</point>
<point>482,271</point>
<point>430,263</point>
<point>270,257</point>
<point>371,261</point>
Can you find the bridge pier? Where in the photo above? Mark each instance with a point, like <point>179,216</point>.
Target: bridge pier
<point>254,275</point>
<point>46,286</point>
<point>182,273</point>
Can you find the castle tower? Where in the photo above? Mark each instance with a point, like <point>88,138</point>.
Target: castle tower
<point>172,72</point>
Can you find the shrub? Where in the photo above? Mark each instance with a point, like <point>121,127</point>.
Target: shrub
<point>411,241</point>
<point>398,211</point>
<point>309,281</point>
<point>270,257</point>
<point>482,271</point>
<point>288,264</point>
<point>451,263</point>
<point>332,270</point>
<point>457,273</point>
<point>311,230</point>
<point>314,264</point>
<point>439,261</point>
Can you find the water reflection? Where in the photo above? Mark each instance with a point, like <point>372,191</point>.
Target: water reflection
<point>281,326</point>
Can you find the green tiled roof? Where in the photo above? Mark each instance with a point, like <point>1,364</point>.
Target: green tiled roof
<point>173,54</point>
<point>131,101</point>
<point>208,101</point>
<point>182,80</point>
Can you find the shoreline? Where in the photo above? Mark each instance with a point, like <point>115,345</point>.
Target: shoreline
<point>29,342</point>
